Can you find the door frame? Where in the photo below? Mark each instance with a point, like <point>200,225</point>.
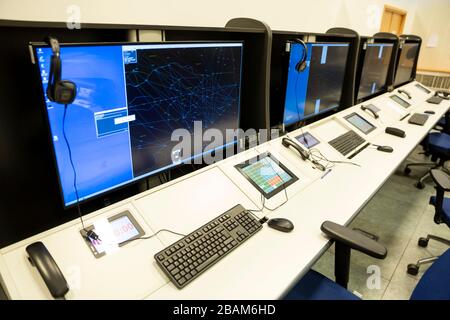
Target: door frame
<point>396,10</point>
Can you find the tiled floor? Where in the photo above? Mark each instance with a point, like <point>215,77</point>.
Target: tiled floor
<point>399,214</point>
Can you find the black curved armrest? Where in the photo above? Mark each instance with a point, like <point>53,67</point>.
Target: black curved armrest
<point>441,179</point>
<point>353,239</point>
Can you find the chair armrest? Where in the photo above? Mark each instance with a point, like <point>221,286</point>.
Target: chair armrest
<point>353,239</point>
<point>441,179</point>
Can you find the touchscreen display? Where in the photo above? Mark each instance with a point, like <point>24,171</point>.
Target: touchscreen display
<point>422,88</point>
<point>307,140</point>
<point>360,123</point>
<point>112,233</point>
<point>122,229</point>
<point>400,101</point>
<point>267,174</point>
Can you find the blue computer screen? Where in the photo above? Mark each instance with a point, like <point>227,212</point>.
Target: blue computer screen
<point>375,69</point>
<point>130,98</point>
<point>318,88</point>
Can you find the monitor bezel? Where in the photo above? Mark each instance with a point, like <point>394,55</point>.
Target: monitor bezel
<point>360,67</point>
<point>33,46</point>
<point>241,166</point>
<point>285,82</point>
<point>414,68</point>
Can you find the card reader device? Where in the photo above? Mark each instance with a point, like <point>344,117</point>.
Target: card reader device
<point>395,132</point>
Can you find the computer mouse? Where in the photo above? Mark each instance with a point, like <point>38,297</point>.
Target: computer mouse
<point>281,224</point>
<point>430,112</point>
<point>385,148</point>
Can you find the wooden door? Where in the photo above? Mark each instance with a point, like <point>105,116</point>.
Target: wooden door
<point>393,20</point>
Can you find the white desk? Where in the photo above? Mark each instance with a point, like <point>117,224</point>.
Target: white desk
<point>269,263</point>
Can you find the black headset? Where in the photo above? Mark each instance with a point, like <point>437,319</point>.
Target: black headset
<point>301,64</point>
<point>60,91</point>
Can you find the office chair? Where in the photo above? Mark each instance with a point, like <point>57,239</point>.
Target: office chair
<point>434,285</point>
<point>443,124</point>
<point>314,286</point>
<point>441,215</point>
<point>436,144</point>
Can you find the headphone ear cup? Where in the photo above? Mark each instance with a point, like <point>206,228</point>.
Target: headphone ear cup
<point>65,92</point>
<point>300,66</point>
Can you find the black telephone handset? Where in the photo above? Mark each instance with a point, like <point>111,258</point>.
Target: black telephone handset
<point>289,143</point>
<point>39,257</point>
<point>406,93</point>
<point>368,108</point>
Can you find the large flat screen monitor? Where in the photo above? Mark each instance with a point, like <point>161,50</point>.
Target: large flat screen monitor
<point>130,99</point>
<point>405,64</point>
<point>318,88</point>
<point>377,59</point>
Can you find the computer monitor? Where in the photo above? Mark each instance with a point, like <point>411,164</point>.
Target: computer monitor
<point>405,65</point>
<point>318,88</point>
<point>377,59</point>
<point>130,99</point>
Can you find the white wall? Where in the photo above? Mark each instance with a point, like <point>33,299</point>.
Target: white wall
<point>311,15</point>
<point>424,16</point>
<point>433,20</point>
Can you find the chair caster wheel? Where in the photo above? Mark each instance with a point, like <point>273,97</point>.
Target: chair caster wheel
<point>423,242</point>
<point>420,185</point>
<point>407,171</point>
<point>413,269</point>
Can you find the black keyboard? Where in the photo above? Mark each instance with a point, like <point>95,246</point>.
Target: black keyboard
<point>347,142</point>
<point>186,259</point>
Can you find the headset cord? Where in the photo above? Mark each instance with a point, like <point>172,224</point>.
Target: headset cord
<point>90,234</point>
